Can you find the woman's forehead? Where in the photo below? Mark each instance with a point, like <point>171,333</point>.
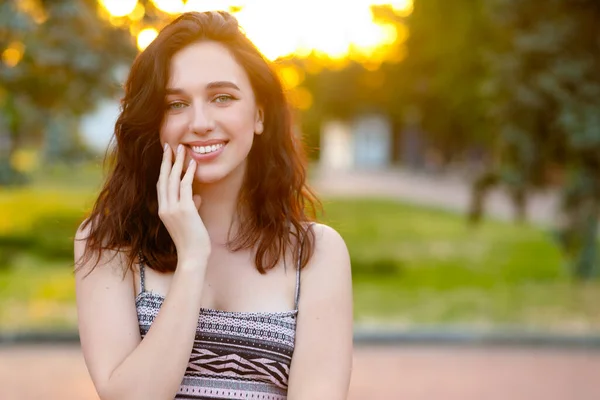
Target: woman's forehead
<point>199,64</point>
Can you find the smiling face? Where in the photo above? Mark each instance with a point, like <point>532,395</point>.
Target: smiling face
<point>210,108</point>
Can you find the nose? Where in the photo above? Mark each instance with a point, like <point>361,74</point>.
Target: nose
<point>201,121</point>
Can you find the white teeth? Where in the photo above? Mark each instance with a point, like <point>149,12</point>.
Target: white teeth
<point>206,149</point>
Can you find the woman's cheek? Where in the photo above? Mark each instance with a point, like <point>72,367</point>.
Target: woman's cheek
<point>171,127</point>
<point>242,119</point>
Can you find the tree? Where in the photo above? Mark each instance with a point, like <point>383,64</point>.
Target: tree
<point>545,94</point>
<point>444,72</point>
<point>59,59</point>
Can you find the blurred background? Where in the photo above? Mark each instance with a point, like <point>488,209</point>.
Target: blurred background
<point>455,145</point>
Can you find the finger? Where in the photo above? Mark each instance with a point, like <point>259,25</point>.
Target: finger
<point>163,177</point>
<point>185,189</point>
<point>175,176</point>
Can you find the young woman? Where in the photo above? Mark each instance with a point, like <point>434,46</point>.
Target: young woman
<point>199,274</point>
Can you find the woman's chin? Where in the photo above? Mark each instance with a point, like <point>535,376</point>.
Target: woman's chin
<point>207,179</point>
<point>217,173</point>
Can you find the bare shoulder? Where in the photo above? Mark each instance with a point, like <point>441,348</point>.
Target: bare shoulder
<point>331,252</point>
<point>81,236</point>
<point>80,242</point>
<point>111,260</point>
<point>79,246</point>
<point>327,277</point>
<point>105,270</point>
<point>328,235</point>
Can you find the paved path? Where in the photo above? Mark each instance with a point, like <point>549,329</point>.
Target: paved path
<point>446,192</point>
<point>411,372</point>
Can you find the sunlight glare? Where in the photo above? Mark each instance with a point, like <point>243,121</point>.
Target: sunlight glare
<point>330,29</point>
<point>206,5</point>
<point>119,8</point>
<point>169,6</point>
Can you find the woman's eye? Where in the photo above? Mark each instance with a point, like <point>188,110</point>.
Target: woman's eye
<point>176,105</point>
<point>223,98</point>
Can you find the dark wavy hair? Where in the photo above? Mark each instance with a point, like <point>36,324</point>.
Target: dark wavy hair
<point>275,200</point>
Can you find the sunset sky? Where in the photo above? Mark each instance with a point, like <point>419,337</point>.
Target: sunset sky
<point>279,28</point>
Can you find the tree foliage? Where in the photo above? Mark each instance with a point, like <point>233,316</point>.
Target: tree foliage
<point>59,58</point>
<point>544,91</point>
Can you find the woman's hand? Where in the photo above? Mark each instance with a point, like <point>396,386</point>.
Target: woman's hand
<point>178,207</point>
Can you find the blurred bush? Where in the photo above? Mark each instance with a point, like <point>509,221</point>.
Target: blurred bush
<point>50,237</point>
<point>381,267</point>
<point>11,177</point>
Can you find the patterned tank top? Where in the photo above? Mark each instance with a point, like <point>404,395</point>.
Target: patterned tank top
<point>236,355</point>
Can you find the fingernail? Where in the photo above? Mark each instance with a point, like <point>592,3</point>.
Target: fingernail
<point>179,148</point>
<point>191,161</point>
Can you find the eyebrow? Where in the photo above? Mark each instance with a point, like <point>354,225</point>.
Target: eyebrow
<point>211,85</point>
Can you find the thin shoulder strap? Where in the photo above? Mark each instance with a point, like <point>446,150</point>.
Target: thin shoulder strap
<point>142,277</point>
<point>298,265</point>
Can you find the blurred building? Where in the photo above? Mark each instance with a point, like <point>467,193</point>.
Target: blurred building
<point>364,142</point>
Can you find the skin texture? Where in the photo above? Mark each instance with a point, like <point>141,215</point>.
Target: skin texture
<point>197,204</point>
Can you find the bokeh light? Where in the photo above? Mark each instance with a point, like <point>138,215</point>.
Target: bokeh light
<point>138,12</point>
<point>13,54</point>
<point>145,37</point>
<point>290,75</point>
<point>402,8</point>
<point>301,98</point>
<point>169,6</point>
<point>34,9</point>
<point>119,8</point>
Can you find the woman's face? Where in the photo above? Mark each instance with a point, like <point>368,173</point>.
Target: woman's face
<point>210,108</point>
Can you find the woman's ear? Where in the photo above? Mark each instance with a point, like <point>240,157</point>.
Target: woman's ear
<point>259,121</point>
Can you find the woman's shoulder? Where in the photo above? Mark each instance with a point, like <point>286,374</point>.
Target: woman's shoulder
<point>325,234</point>
<point>83,231</point>
<point>330,251</point>
<point>88,258</point>
<point>80,244</point>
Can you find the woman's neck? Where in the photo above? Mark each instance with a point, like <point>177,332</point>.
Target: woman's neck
<point>218,208</point>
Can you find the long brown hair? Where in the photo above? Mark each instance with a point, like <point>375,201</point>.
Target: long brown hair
<point>275,200</point>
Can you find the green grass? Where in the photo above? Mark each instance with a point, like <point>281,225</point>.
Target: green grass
<point>37,294</point>
<point>420,266</point>
<point>57,189</point>
<point>412,266</point>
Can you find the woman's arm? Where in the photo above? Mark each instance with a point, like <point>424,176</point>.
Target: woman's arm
<point>322,361</point>
<point>120,364</point>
